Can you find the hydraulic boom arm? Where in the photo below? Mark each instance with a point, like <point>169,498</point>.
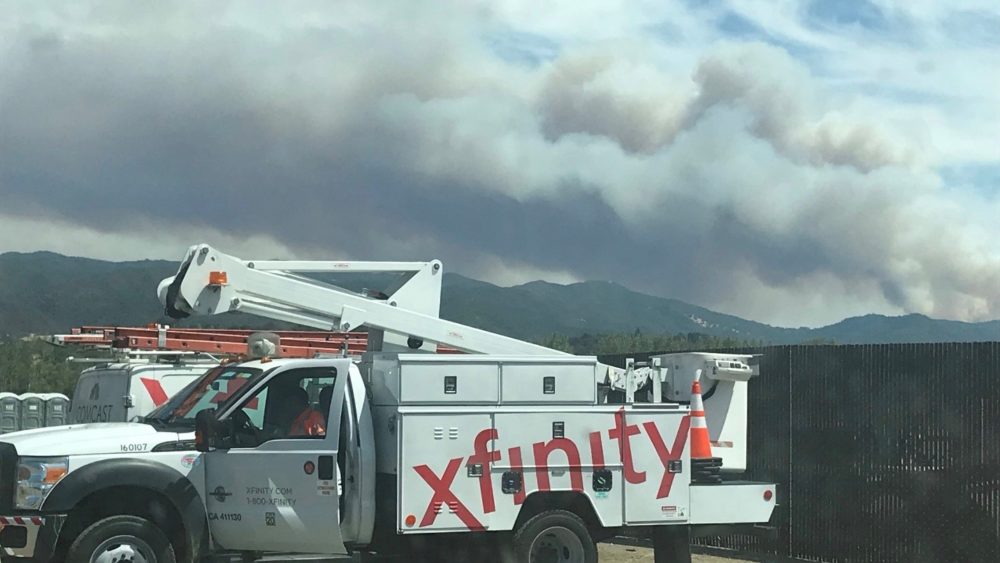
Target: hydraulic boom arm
<point>210,282</point>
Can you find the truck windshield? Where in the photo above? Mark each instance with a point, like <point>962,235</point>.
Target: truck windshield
<point>206,392</point>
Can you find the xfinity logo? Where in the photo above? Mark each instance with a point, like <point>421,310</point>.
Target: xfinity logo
<point>220,494</point>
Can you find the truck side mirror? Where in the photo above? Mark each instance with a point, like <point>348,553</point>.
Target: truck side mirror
<point>206,431</point>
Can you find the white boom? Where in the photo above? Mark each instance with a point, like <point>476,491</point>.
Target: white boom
<point>210,282</point>
<point>272,289</point>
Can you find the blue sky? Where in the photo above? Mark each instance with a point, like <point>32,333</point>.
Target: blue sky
<point>838,158</point>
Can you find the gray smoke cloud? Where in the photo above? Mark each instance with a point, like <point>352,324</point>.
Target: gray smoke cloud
<point>397,133</point>
<point>581,95</point>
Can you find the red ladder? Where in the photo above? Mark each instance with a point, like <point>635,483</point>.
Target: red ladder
<point>293,343</point>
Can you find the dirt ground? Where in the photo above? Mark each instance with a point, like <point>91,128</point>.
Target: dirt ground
<point>624,554</point>
<point>608,553</point>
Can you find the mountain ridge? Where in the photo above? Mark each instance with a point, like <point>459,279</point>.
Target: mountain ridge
<point>45,292</point>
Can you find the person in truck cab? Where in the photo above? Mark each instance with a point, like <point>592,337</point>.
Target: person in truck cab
<point>308,421</point>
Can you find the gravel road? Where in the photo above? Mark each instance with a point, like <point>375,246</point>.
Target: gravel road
<point>624,554</point>
<point>607,553</point>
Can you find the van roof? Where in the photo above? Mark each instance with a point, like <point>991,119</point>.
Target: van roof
<point>128,366</point>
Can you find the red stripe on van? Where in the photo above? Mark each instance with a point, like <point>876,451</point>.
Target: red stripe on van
<point>155,390</point>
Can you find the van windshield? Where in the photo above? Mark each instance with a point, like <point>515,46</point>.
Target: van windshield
<point>210,390</point>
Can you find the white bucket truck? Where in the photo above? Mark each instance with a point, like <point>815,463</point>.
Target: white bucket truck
<point>511,447</point>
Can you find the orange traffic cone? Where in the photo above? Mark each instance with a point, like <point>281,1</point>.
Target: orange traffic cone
<point>701,445</point>
<point>704,467</point>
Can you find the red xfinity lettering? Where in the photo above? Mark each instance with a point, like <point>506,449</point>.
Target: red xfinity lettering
<point>485,457</point>
<point>622,432</point>
<point>484,454</point>
<point>665,455</point>
<point>597,450</point>
<point>542,451</point>
<point>442,494</point>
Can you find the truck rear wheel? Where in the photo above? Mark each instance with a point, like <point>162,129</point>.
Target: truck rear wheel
<point>121,539</point>
<point>554,536</point>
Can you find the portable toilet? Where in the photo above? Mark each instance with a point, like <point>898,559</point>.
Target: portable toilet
<point>56,409</point>
<point>32,411</point>
<point>10,413</point>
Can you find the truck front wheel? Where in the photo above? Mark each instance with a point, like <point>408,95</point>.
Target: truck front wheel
<point>554,536</point>
<point>121,539</point>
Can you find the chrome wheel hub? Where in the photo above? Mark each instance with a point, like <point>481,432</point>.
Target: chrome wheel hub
<point>556,545</point>
<point>123,549</point>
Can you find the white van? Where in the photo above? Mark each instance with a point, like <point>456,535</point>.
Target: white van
<point>122,392</point>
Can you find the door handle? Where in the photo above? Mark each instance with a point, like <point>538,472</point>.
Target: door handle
<point>326,467</point>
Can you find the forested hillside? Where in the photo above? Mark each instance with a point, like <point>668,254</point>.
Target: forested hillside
<point>46,293</point>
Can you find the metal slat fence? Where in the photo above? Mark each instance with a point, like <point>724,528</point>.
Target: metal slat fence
<point>886,452</point>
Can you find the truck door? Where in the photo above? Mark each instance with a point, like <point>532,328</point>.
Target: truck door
<point>277,490</point>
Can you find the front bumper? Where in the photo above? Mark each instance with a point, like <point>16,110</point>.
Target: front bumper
<point>23,535</point>
<point>32,537</point>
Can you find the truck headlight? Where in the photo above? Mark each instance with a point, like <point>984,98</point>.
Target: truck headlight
<point>35,478</point>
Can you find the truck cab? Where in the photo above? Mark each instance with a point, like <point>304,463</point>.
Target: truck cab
<point>56,483</point>
<point>292,457</point>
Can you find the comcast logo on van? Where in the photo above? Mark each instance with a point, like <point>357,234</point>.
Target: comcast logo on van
<point>95,391</point>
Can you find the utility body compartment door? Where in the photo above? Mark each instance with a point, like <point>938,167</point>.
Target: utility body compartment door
<point>282,494</point>
<point>439,491</point>
<point>657,464</point>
